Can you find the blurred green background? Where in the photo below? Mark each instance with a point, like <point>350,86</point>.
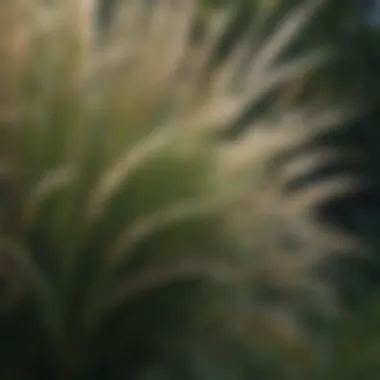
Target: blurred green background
<point>167,307</point>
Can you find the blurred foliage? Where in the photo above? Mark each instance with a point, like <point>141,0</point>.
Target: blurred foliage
<point>352,350</point>
<point>134,244</point>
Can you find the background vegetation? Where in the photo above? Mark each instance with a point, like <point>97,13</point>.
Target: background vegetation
<point>189,190</point>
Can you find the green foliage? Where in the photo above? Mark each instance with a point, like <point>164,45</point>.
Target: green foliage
<point>134,243</point>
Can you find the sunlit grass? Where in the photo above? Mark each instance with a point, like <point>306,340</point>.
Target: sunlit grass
<point>128,227</point>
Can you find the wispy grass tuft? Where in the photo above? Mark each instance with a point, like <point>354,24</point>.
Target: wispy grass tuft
<point>129,228</point>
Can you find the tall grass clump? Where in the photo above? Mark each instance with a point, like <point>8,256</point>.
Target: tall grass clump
<point>135,243</point>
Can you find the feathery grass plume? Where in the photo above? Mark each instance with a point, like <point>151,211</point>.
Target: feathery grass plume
<point>123,229</point>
